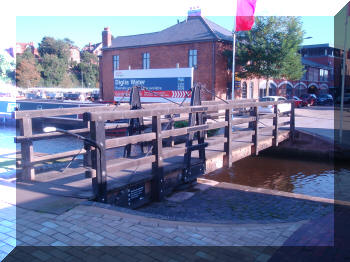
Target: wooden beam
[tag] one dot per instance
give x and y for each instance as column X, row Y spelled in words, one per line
column 275, row 123
column 123, row 141
column 228, row 136
column 256, row 133
column 99, row 160
column 157, row 166
column 26, row 129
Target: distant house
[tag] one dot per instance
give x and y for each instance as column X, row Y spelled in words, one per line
column 93, row 48
column 331, row 57
column 74, row 54
column 21, row 48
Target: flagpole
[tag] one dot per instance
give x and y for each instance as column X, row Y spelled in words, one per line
column 233, row 64
column 343, row 81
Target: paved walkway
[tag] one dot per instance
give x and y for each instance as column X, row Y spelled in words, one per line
column 95, row 225
column 323, row 121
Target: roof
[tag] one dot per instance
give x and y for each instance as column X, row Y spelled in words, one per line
column 307, row 62
column 194, row 29
column 317, row 46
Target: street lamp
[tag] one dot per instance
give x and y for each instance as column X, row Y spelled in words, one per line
column 101, row 194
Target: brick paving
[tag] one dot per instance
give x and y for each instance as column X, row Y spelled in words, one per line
column 92, row 227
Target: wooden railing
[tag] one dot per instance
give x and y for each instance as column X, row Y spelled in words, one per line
column 219, row 114
column 157, row 134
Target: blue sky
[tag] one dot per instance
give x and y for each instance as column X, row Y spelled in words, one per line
column 85, row 29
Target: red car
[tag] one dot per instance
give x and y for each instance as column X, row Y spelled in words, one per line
column 297, row 101
column 308, row 99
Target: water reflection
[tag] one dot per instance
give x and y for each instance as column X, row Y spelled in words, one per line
column 289, row 175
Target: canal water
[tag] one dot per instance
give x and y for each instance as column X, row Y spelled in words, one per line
column 271, row 172
column 288, row 175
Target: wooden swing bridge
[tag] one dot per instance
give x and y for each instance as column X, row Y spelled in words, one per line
column 165, row 146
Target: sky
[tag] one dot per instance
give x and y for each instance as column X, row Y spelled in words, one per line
column 82, row 30
column 83, row 23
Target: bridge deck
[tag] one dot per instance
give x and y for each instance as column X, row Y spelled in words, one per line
column 73, row 183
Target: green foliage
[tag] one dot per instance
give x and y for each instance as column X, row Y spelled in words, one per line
column 7, row 68
column 180, row 124
column 270, row 49
column 54, row 66
column 87, row 70
column 53, row 69
column 51, row 46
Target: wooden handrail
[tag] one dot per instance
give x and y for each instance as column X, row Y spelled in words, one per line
column 126, row 114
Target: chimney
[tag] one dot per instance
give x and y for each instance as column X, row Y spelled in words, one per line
column 106, row 37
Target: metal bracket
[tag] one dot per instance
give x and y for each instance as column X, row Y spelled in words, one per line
column 136, row 125
column 193, row 170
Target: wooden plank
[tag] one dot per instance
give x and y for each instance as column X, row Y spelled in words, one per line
column 239, row 121
column 59, row 111
column 284, row 124
column 126, row 114
column 267, row 116
column 60, row 155
column 186, row 130
column 53, row 135
column 128, row 163
column 123, row 141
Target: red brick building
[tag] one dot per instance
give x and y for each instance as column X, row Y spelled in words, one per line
column 195, row 42
column 21, row 48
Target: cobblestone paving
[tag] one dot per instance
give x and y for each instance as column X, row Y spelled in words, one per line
column 221, row 204
column 95, row 226
column 7, row 220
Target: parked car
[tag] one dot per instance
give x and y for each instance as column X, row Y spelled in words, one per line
column 282, row 108
column 71, row 96
column 297, row 101
column 325, row 99
column 50, row 95
column 346, row 98
column 308, row 99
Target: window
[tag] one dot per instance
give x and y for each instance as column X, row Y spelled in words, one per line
column 115, row 62
column 145, row 60
column 323, row 75
column 192, row 58
column 244, row 90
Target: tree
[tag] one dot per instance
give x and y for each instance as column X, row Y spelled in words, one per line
column 87, row 70
column 51, row 46
column 270, row 49
column 54, row 69
column 27, row 74
column 7, row 68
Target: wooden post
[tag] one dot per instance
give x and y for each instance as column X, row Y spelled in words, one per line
column 28, row 172
column 228, row 136
column 256, row 129
column 99, row 183
column 157, row 166
column 292, row 121
column 87, row 156
column 275, row 123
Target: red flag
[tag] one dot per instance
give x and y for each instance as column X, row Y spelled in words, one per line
column 245, row 15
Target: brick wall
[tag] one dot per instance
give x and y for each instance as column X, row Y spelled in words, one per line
column 168, row 56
